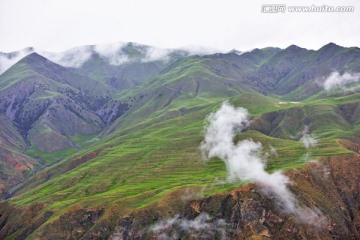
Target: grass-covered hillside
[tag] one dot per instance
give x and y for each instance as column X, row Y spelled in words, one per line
column 138, row 166
column 95, row 153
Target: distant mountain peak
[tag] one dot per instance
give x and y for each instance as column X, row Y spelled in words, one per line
column 9, row 59
column 330, row 45
column 237, row 52
column 35, row 60
column 33, row 56
column 294, row 47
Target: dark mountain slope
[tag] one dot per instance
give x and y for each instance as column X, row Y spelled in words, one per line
column 14, row 164
column 32, row 88
column 50, row 70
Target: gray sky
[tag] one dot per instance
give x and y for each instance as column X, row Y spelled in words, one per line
column 56, row 25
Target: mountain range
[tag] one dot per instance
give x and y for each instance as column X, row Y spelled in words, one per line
column 102, row 141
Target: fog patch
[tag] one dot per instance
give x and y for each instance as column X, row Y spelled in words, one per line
column 73, row 58
column 271, row 152
column 335, row 80
column 308, row 139
column 9, row 59
column 201, row 51
column 244, row 161
column 112, row 53
column 202, row 227
column 156, row 54
column 193, row 193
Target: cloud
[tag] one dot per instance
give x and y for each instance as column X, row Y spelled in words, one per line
column 335, row 80
column 192, row 193
column 201, row 51
column 9, row 59
column 156, row 54
column 243, row 159
column 161, row 54
column 73, row 58
column 307, row 139
column 116, row 56
column 113, row 53
column 202, row 227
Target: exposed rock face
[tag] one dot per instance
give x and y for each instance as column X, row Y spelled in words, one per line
column 330, row 187
column 13, row 169
column 32, row 217
column 112, row 110
column 49, row 103
column 13, row 164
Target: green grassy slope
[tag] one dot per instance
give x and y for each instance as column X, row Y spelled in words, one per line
column 185, row 85
column 136, row 166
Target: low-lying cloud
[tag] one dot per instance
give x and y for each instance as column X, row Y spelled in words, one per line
column 244, row 161
column 73, row 58
column 335, row 80
column 201, row 51
column 202, row 227
column 9, row 59
column 113, row 53
column 308, row 139
column 156, row 54
column 76, row 57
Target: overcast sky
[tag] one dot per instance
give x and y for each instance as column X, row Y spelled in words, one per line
column 56, row 25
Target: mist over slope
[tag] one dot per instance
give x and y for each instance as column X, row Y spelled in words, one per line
column 112, row 132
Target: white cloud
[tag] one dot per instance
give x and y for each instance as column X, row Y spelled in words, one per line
column 113, row 53
column 335, row 80
column 77, row 56
column 203, row 226
column 243, row 160
column 157, row 54
column 6, row 60
column 74, row 57
column 199, row 50
column 308, row 139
